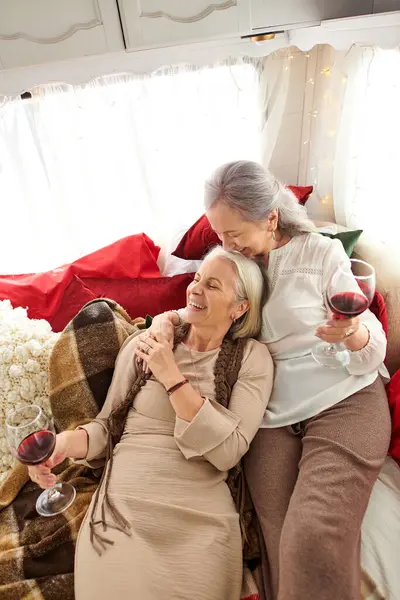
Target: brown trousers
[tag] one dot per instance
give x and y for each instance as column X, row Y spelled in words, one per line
column 311, row 491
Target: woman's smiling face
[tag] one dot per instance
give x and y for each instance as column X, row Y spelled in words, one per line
column 211, row 297
column 237, row 234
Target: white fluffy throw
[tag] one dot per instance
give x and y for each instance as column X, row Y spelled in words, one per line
column 25, row 346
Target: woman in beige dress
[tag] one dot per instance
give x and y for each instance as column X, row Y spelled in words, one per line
column 176, row 532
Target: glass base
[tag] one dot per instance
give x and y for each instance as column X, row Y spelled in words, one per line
column 333, row 356
column 55, row 500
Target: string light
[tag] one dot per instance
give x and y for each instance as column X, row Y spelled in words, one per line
column 307, row 55
column 313, row 114
column 326, row 199
column 332, row 133
column 311, row 81
column 327, row 72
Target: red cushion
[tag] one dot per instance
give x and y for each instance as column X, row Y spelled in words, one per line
column 301, row 192
column 201, row 237
column 41, row 293
column 378, row 307
column 393, row 391
column 129, row 257
column 141, row 297
column 197, row 240
column 74, row 298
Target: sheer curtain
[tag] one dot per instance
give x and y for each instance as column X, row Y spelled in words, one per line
column 81, row 167
column 367, row 158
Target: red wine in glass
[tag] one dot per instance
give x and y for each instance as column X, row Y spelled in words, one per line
column 36, row 448
column 349, row 293
column 32, row 438
column 347, row 305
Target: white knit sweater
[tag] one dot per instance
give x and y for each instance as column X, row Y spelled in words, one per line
column 299, row 274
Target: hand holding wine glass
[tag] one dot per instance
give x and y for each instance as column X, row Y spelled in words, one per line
column 32, row 439
column 349, row 294
column 41, row 474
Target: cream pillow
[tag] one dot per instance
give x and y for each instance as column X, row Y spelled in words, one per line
column 25, row 347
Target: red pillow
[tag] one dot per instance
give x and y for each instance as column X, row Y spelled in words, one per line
column 41, row 293
column 393, row 392
column 301, row 192
column 378, row 307
column 197, row 240
column 141, row 297
column 201, row 237
column 129, row 257
column 74, row 298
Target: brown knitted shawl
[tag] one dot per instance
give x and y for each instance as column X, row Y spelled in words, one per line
column 226, row 372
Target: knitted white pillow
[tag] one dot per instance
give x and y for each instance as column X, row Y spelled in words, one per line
column 25, row 346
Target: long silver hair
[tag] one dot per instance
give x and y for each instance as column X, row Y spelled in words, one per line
column 252, row 190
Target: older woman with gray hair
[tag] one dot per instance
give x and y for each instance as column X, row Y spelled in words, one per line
column 163, row 523
column 325, row 432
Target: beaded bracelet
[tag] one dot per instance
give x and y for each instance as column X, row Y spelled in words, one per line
column 175, row 387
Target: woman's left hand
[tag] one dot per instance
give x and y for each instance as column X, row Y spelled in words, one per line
column 338, row 330
column 159, row 358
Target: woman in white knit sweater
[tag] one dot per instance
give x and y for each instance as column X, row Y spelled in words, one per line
column 326, row 432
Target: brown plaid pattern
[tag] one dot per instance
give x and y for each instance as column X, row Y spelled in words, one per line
column 36, row 553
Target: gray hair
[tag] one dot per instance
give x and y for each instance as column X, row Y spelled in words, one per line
column 252, row 190
column 251, row 284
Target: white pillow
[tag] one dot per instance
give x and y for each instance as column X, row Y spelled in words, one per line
column 25, row 347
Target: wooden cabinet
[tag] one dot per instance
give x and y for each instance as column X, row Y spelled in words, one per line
column 41, row 31
column 276, row 14
column 157, row 23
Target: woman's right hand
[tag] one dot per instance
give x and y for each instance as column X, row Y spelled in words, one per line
column 162, row 327
column 41, row 474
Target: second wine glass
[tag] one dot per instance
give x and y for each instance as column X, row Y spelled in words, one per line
column 350, row 292
column 32, row 439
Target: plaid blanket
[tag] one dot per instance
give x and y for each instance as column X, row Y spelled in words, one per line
column 36, row 553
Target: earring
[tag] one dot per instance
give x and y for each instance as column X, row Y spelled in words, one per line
column 273, row 235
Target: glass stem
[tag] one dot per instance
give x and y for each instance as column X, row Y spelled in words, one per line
column 53, row 493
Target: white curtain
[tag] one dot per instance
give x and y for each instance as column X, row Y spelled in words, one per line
column 81, row 167
column 367, row 160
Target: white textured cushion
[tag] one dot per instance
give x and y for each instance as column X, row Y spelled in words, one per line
column 25, row 346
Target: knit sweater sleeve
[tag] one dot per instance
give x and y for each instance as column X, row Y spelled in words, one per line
column 369, row 358
column 221, row 435
column 125, row 373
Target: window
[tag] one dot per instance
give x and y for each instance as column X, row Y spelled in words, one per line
column 82, row 167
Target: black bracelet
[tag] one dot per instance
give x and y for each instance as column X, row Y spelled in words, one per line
column 175, row 387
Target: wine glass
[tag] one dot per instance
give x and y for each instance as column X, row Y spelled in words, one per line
column 32, row 439
column 350, row 293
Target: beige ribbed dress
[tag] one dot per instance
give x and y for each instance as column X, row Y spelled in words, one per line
column 168, row 480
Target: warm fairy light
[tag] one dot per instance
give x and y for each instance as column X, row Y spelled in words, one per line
column 306, row 142
column 313, row 113
column 307, row 55
column 327, row 72
column 326, row 199
column 332, row 133
column 311, row 81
